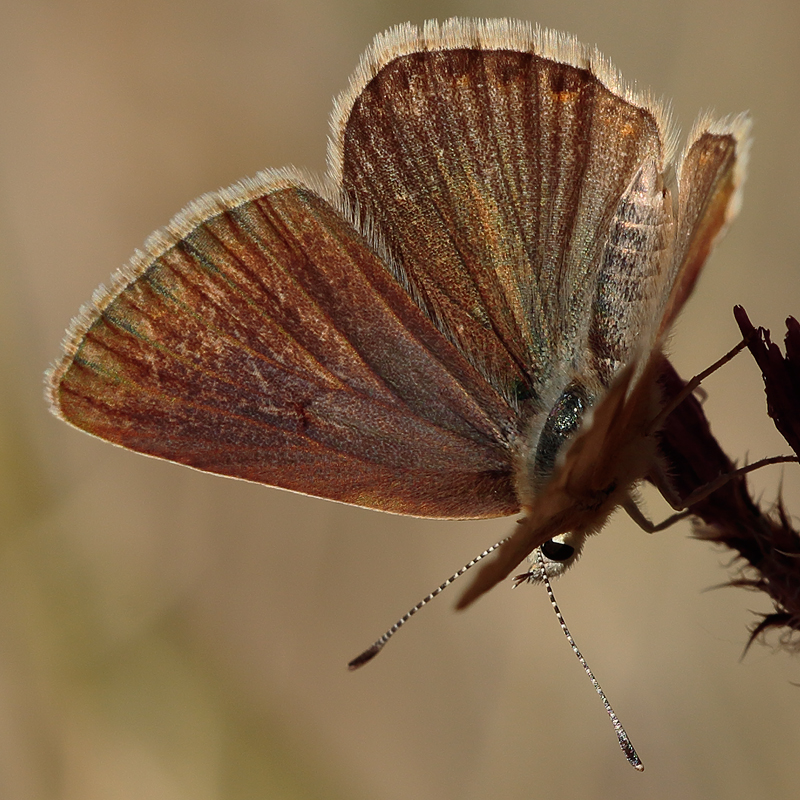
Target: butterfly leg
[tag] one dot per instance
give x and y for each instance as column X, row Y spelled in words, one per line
column 684, row 506
column 693, row 384
column 636, row 514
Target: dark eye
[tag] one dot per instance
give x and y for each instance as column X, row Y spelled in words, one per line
column 557, row 551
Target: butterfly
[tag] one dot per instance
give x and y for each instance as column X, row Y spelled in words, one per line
column 464, row 318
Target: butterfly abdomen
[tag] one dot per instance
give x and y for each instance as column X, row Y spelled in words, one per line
column 634, row 268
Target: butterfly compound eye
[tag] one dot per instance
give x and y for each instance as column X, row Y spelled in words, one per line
column 557, row 551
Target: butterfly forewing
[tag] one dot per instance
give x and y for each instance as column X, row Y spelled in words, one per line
column 271, row 344
column 494, row 175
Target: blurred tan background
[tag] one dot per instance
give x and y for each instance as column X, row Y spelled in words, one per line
column 166, row 634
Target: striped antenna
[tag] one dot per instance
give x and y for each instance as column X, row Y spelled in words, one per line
column 374, row 649
column 622, row 736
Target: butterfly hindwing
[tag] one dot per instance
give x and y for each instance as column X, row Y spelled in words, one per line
column 617, row 448
column 710, row 178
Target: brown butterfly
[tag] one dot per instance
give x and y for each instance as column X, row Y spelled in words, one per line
column 463, row 319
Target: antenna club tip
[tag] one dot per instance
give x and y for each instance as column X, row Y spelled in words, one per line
column 366, row 656
column 631, row 754
column 628, row 749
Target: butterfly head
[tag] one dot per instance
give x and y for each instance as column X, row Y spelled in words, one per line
column 557, row 555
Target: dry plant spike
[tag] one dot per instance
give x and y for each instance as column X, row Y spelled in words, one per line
column 765, row 541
